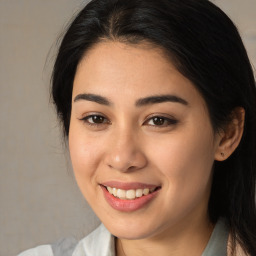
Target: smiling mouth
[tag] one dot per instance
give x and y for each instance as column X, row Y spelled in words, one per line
column 130, row 194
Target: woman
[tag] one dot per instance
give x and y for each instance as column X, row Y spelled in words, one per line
column 158, row 102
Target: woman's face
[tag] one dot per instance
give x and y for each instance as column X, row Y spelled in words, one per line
column 141, row 130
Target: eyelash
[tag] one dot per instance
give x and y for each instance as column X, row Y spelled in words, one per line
column 86, row 118
column 169, row 121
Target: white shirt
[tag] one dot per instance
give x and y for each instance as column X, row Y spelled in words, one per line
column 101, row 243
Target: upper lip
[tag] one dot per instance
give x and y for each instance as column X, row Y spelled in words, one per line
column 127, row 185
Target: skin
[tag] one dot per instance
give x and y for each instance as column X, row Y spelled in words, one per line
column 128, row 146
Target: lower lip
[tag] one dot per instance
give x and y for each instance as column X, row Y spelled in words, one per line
column 128, row 205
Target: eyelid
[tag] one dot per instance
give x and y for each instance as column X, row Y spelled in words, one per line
column 92, row 114
column 172, row 120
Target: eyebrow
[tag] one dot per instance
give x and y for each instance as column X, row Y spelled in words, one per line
column 93, row 97
column 160, row 99
column 139, row 103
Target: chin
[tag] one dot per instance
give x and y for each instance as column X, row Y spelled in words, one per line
column 131, row 231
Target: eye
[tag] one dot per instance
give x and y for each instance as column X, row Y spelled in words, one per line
column 95, row 120
column 160, row 121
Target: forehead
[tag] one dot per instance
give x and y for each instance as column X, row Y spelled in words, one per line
column 116, row 59
column 114, row 68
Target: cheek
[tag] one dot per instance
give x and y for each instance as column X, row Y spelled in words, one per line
column 184, row 155
column 84, row 153
column 185, row 161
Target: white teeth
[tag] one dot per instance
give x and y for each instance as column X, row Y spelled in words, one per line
column 121, row 194
column 139, row 192
column 114, row 191
column 110, row 190
column 145, row 191
column 129, row 194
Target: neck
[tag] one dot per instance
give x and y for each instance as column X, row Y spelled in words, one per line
column 190, row 239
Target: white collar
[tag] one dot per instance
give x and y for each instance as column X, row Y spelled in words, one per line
column 101, row 243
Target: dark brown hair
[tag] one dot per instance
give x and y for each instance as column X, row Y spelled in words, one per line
column 205, row 47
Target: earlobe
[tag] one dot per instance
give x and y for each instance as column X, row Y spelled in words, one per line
column 231, row 135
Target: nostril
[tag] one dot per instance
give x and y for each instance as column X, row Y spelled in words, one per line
column 131, row 168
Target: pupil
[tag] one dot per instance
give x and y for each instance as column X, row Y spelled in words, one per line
column 98, row 119
column 158, row 121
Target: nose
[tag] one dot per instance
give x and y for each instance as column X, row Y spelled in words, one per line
column 125, row 154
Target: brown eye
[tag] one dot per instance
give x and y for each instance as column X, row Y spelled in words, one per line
column 160, row 121
column 95, row 120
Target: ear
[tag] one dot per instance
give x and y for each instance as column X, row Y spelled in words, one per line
column 230, row 136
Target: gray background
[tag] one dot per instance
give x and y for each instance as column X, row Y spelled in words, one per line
column 39, row 200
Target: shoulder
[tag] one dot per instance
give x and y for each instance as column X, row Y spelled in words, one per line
column 43, row 250
column 63, row 247
column 98, row 243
